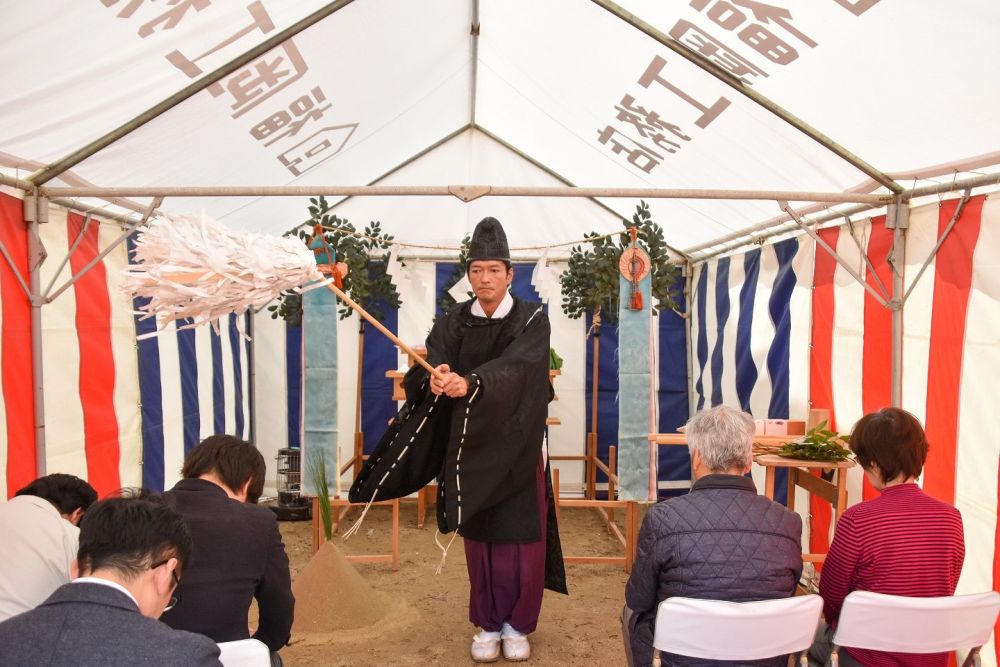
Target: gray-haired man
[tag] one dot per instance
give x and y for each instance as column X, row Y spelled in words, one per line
column 722, row 541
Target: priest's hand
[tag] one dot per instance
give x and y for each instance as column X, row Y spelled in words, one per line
column 437, row 386
column 455, row 385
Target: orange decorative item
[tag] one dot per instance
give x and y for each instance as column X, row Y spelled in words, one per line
column 634, row 266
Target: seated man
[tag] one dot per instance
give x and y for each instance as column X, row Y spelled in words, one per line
column 721, row 541
column 238, row 553
column 39, row 528
column 132, row 553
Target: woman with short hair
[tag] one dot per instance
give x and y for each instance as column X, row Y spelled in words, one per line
column 902, row 542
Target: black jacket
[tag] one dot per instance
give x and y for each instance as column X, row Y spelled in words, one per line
column 238, row 556
column 722, row 541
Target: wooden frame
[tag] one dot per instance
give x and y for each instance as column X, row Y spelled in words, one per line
column 605, row 508
column 799, row 475
column 338, row 514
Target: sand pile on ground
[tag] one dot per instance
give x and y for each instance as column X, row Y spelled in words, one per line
column 330, row 595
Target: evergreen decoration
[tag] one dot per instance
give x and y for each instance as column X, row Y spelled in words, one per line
column 367, row 259
column 591, row 281
column 446, row 301
column 819, row 444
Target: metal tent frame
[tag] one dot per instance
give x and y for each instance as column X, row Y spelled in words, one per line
column 38, row 195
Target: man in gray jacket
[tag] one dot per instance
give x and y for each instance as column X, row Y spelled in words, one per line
column 132, row 554
column 721, row 541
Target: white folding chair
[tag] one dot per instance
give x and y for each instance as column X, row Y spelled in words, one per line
column 916, row 625
column 718, row 630
column 245, row 653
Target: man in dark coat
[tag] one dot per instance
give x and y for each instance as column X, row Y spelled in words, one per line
column 721, row 541
column 132, row 553
column 238, row 553
column 493, row 352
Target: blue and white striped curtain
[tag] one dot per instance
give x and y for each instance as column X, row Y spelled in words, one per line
column 750, row 332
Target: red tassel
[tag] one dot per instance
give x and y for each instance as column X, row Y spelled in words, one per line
column 636, row 300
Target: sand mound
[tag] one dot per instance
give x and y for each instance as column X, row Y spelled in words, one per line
column 330, row 595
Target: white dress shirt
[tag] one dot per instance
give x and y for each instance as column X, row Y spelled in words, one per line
column 106, row 582
column 502, row 310
column 36, row 550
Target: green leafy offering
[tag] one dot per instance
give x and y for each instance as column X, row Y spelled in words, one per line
column 555, row 361
column 819, row 444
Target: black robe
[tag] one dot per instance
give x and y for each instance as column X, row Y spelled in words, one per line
column 487, row 490
column 483, row 447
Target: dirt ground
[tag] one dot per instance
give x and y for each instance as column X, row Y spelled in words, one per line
column 428, row 620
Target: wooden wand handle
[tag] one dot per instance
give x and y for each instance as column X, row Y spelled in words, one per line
column 391, row 336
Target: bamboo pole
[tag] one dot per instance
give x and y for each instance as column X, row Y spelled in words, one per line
column 388, row 334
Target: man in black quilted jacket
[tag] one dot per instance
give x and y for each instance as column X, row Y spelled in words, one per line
column 721, row 541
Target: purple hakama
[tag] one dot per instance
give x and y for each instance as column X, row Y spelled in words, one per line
column 506, row 581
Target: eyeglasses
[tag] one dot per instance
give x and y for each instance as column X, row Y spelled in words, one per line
column 176, row 597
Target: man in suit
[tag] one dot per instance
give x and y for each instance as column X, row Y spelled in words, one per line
column 40, row 540
column 132, row 554
column 238, row 553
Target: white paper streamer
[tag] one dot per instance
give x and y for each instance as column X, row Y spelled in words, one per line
column 397, row 271
column 460, row 290
column 195, row 268
column 544, row 279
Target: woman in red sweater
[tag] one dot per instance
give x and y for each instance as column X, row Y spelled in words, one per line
column 901, row 543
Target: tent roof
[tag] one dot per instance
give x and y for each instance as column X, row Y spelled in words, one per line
column 555, row 92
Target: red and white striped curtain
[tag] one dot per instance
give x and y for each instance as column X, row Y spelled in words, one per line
column 951, row 356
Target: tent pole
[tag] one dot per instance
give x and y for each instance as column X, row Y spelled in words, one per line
column 898, row 219
column 775, row 227
column 460, row 190
column 833, row 253
column 748, row 91
column 410, row 160
column 18, row 183
column 130, row 229
column 474, row 62
column 35, row 212
column 69, row 253
column 937, row 246
column 517, row 151
column 689, row 306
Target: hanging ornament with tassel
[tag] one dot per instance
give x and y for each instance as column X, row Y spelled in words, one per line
column 634, row 266
column 326, row 257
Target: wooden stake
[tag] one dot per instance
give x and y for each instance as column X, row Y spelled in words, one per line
column 359, row 438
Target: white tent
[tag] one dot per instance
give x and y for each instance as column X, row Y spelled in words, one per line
column 872, row 118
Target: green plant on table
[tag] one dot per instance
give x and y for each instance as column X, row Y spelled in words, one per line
column 819, row 444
